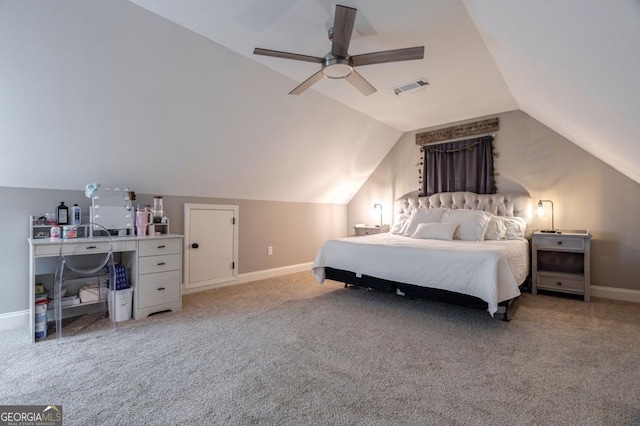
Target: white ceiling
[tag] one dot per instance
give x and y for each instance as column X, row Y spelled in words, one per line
column 464, row 80
column 571, row 65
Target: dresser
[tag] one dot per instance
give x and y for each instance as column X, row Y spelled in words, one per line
column 560, row 262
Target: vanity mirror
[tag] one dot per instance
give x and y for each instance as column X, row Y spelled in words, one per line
column 111, row 208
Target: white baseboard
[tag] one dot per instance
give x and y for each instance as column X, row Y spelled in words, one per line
column 622, row 294
column 255, row 276
column 14, row 320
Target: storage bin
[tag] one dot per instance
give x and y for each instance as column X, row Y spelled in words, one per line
column 120, row 304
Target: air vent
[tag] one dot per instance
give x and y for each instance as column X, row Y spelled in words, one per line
column 411, row 87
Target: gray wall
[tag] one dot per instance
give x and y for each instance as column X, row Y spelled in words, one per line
column 295, row 230
column 587, row 193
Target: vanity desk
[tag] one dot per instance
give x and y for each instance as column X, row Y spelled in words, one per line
column 153, row 267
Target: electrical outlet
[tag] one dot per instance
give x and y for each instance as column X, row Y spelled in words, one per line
column 270, row 251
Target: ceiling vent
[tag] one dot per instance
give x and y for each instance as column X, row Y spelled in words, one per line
column 411, row 87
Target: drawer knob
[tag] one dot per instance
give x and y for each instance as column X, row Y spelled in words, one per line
column 559, row 283
column 559, row 243
column 160, row 247
column 160, row 288
column 161, row 263
column 194, row 245
column 91, row 247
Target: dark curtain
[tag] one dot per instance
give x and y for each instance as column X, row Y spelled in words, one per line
column 459, row 166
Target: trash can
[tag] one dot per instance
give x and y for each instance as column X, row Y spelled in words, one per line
column 120, row 304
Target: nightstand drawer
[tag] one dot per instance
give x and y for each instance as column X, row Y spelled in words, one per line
column 367, row 231
column 559, row 242
column 361, row 230
column 559, row 282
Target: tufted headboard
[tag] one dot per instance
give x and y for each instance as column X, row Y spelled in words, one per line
column 506, row 204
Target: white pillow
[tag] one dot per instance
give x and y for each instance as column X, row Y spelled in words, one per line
column 515, row 226
column 399, row 225
column 422, row 215
column 496, row 230
column 472, row 224
column 435, row 231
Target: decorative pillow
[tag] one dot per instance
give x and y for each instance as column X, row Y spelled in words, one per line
column 472, row 224
column 435, row 231
column 515, row 227
column 496, row 230
column 422, row 215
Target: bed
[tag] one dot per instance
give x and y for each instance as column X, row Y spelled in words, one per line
column 437, row 249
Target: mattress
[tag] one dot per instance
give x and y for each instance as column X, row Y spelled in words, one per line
column 489, row 270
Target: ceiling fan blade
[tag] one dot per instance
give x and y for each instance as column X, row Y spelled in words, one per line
column 360, row 83
column 396, row 55
column 342, row 30
column 286, row 55
column 307, row 83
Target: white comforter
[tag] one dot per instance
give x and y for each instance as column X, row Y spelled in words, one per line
column 489, row 270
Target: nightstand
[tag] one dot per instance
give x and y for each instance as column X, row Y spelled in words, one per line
column 370, row 229
column 560, row 262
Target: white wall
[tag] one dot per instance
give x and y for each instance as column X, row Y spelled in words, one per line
column 587, row 193
column 106, row 91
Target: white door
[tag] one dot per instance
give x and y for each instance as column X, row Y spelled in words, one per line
column 211, row 249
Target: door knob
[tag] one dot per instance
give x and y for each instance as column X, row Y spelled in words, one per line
column 194, row 245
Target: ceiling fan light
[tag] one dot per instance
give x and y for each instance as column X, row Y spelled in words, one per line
column 336, row 67
column 337, row 71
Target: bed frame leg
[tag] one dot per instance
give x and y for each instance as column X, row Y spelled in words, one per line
column 505, row 316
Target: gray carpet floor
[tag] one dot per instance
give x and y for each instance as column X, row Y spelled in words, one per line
column 288, row 351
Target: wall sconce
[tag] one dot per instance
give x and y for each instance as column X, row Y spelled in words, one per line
column 541, row 212
column 375, row 206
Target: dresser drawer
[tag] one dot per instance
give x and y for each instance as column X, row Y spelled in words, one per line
column 157, row 246
column 158, row 289
column 559, row 242
column 83, row 246
column 559, row 282
column 154, row 264
column 72, row 247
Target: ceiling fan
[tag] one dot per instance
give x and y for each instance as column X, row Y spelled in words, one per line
column 338, row 64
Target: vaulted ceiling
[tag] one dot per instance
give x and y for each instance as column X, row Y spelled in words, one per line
column 572, row 65
column 167, row 97
column 464, row 79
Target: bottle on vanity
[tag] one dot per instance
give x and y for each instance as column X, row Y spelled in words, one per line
column 76, row 214
column 62, row 214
